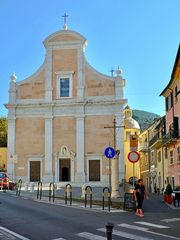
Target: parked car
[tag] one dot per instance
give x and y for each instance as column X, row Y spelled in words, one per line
column 4, row 181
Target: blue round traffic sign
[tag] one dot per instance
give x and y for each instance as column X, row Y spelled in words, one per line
column 109, row 152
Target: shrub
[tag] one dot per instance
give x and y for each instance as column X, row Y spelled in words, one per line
column 168, row 190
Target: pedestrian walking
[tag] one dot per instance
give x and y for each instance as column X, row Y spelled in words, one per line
column 139, row 193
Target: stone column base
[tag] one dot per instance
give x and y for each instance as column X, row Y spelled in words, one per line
column 48, row 178
column 80, row 178
column 115, row 194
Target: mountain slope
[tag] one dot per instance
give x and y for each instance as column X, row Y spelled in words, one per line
column 144, row 118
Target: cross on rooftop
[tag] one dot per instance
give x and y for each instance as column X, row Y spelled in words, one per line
column 112, row 72
column 65, row 16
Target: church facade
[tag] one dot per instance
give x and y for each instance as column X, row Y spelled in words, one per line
column 57, row 117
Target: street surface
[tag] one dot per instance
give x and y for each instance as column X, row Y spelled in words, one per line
column 30, row 219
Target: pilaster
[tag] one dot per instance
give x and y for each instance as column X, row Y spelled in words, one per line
column 80, row 174
column 48, row 149
column 119, row 84
column 80, row 86
column 11, row 148
column 12, row 92
column 120, row 144
column 48, row 78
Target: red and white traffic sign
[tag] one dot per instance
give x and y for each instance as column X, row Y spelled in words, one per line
column 133, row 156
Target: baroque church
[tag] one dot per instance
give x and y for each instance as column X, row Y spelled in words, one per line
column 58, row 117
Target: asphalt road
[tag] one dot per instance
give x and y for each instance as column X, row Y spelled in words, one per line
column 44, row 221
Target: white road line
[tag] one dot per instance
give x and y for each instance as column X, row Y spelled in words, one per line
column 90, row 236
column 163, row 235
column 151, row 224
column 59, row 239
column 125, row 225
column 13, row 233
column 126, row 235
column 170, row 220
column 146, row 230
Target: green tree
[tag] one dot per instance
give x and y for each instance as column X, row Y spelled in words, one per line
column 3, row 132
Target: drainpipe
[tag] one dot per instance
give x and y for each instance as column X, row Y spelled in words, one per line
column 162, row 168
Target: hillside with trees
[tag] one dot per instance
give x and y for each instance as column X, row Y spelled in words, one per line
column 3, row 132
column 144, row 118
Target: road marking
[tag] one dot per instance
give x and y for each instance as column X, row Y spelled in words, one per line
column 132, row 227
column 170, row 220
column 146, row 230
column 126, row 235
column 163, row 235
column 13, row 233
column 152, row 225
column 90, row 236
column 59, row 239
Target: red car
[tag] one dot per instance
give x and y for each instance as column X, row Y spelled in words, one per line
column 4, row 181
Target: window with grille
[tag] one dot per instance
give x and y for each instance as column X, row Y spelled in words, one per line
column 64, row 85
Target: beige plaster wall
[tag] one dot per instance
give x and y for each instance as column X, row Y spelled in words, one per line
column 64, row 132
column 96, row 136
column 64, row 60
column 29, row 140
column 32, row 89
column 97, row 84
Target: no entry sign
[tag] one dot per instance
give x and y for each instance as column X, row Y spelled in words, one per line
column 133, row 156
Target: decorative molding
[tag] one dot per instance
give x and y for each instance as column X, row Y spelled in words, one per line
column 65, row 152
column 81, row 39
column 65, row 45
column 69, row 109
column 64, row 72
column 59, row 77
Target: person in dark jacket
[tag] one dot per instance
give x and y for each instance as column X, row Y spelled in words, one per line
column 139, row 193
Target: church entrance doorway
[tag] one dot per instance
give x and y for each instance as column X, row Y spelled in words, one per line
column 64, row 170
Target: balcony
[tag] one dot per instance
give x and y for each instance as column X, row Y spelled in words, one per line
column 156, row 141
column 143, row 147
column 171, row 137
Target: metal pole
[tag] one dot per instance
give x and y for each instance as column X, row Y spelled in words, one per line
column 110, row 174
column 109, row 229
column 133, row 176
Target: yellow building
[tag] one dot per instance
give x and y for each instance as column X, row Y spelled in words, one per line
column 144, row 161
column 131, row 133
column 3, row 158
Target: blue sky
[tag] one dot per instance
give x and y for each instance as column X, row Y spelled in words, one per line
column 141, row 36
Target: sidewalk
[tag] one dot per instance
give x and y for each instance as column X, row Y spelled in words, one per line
column 154, row 204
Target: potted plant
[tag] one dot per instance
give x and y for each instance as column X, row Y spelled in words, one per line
column 167, row 194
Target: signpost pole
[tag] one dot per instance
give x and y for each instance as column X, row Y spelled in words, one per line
column 133, row 157
column 133, row 176
column 110, row 174
column 109, row 153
